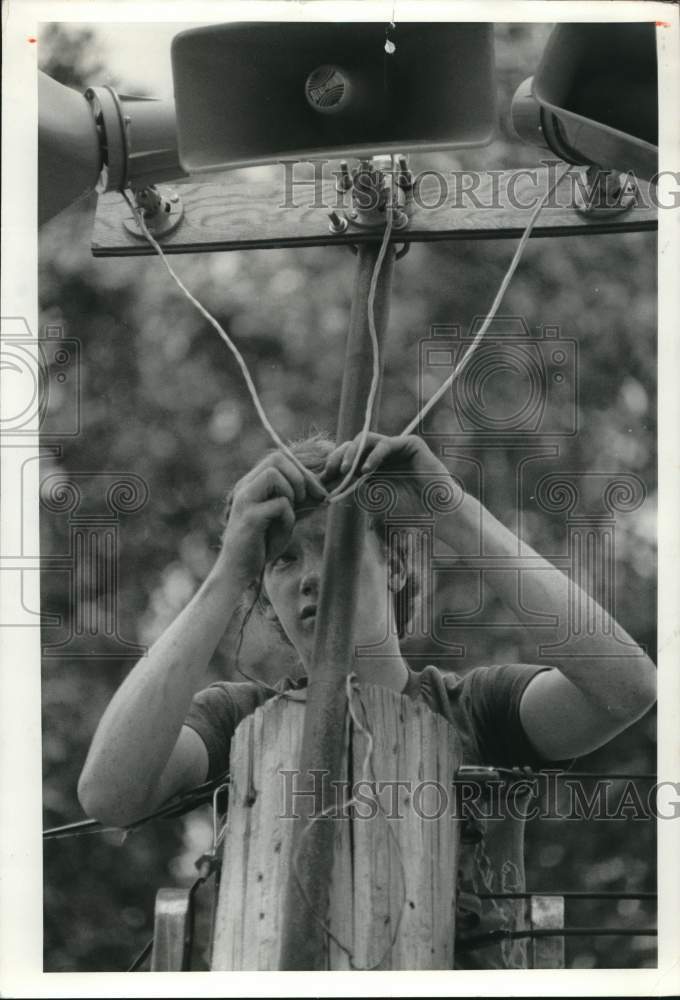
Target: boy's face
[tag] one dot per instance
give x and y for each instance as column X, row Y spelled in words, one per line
column 293, row 579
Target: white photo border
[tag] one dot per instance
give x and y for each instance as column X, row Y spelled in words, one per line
column 21, row 906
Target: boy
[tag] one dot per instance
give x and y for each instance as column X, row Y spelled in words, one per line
column 159, row 737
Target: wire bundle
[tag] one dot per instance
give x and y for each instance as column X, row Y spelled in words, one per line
column 349, row 483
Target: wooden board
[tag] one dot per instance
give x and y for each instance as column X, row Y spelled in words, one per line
column 241, row 213
column 393, row 883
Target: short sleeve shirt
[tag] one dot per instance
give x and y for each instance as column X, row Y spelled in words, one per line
column 483, row 707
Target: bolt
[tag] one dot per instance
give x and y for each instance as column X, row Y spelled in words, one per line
column 405, row 177
column 337, row 224
column 345, row 178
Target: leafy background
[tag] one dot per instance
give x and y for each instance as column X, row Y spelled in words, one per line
column 160, row 397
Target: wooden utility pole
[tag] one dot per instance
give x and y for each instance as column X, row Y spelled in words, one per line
column 303, row 943
column 393, row 875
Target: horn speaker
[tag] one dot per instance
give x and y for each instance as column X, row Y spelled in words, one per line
column 248, row 93
column 101, row 140
column 594, row 97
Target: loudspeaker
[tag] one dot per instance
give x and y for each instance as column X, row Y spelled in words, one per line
column 69, row 152
column 597, row 93
column 248, row 93
column 101, row 140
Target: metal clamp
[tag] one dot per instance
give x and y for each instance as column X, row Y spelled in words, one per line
column 605, row 193
column 373, row 189
column 161, row 208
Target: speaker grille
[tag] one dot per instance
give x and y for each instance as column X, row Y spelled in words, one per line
column 327, row 89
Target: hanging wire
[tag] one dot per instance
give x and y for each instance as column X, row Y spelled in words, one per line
column 507, row 278
column 177, row 806
column 375, row 380
column 498, row 935
column 201, row 794
column 573, row 895
column 254, row 395
column 347, row 487
column 344, row 489
column 337, row 494
column 138, row 962
column 462, row 364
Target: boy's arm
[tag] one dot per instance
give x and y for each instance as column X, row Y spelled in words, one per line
column 585, row 700
column 141, row 753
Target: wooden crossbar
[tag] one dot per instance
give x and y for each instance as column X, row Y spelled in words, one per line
column 240, row 212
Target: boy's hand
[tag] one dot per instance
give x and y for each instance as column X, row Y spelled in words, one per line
column 262, row 514
column 408, row 455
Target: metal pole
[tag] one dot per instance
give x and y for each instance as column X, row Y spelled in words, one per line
column 304, row 944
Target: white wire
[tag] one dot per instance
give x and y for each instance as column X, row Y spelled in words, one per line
column 337, row 494
column 232, row 347
column 434, row 399
column 347, row 487
column 351, row 685
column 375, row 379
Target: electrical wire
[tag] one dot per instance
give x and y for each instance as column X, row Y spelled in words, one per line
column 138, row 962
column 495, row 936
column 462, row 364
column 366, row 770
column 338, row 493
column 177, row 806
column 347, row 487
column 375, row 379
column 507, row 278
column 232, row 347
column 201, row 794
column 577, row 896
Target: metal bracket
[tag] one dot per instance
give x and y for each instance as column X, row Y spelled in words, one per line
column 369, row 186
column 162, row 210
column 605, row 194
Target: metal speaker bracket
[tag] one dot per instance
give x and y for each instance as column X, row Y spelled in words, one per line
column 606, row 193
column 373, row 186
column 162, row 210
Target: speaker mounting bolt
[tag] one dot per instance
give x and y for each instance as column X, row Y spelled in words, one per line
column 344, row 178
column 607, row 193
column 161, row 208
column 405, row 177
column 337, row 223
